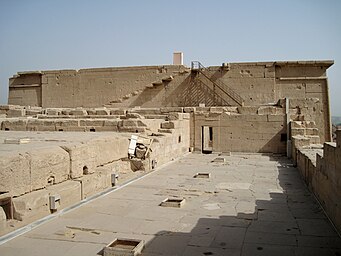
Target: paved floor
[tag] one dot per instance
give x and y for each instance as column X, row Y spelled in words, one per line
column 251, row 205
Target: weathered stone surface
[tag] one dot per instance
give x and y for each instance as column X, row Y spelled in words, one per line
column 15, row 175
column 78, row 112
column 91, row 122
column 87, row 156
column 131, row 123
column 16, row 112
column 171, row 109
column 167, row 125
column 117, row 111
column 53, row 111
column 137, row 165
column 81, row 159
column 33, row 112
column 134, row 115
column 102, row 111
column 48, row 166
column 14, row 125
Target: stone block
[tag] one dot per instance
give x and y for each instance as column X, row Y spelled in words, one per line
column 267, row 110
column 168, row 125
column 248, row 110
column 14, row 125
column 189, row 109
column 7, row 107
column 82, row 159
column 102, row 111
column 131, row 123
column 53, row 111
column 174, row 116
column 118, row 111
column 231, row 109
column 296, row 124
column 311, row 131
column 309, row 124
column 184, row 116
column 67, row 123
column 108, row 149
column 165, row 130
column 66, row 112
column 134, row 115
column 15, row 174
column 147, row 111
column 78, row 112
column 171, row 109
column 91, row 112
column 132, row 129
column 111, row 123
column 91, row 122
column 217, row 109
column 31, row 206
column 32, row 112
column 95, row 183
column 69, row 192
column 155, row 116
column 40, row 125
column 297, row 131
column 48, row 166
column 314, row 139
column 202, row 109
column 16, row 112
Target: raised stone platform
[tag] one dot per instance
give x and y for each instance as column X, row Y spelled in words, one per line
column 252, row 204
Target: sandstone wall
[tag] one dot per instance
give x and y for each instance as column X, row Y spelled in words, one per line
column 321, row 169
column 25, row 89
column 85, row 87
column 251, row 129
column 77, row 170
column 258, row 83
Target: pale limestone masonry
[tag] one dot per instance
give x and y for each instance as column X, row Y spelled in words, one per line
column 79, row 123
column 73, row 167
column 258, row 83
column 320, row 167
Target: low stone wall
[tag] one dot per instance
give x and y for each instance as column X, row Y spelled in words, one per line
column 77, row 170
column 321, row 170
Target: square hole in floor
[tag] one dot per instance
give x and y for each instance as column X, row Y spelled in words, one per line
column 123, row 246
column 173, row 202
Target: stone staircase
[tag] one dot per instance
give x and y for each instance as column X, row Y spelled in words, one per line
column 162, row 82
column 220, row 90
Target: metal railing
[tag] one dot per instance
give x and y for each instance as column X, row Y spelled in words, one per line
column 226, row 90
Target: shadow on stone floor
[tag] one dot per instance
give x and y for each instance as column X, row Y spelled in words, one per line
column 290, row 223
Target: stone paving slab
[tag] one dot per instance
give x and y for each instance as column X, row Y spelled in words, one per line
column 252, row 204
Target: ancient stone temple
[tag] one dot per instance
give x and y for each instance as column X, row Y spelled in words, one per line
column 74, row 137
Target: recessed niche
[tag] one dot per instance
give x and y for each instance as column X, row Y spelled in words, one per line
column 85, row 170
column 173, row 202
column 206, row 175
column 124, row 247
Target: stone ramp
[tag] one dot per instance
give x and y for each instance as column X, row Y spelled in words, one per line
column 251, row 204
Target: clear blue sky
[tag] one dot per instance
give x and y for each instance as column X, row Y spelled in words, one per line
column 74, row 34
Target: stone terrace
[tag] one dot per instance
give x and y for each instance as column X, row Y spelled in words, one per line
column 251, row 204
